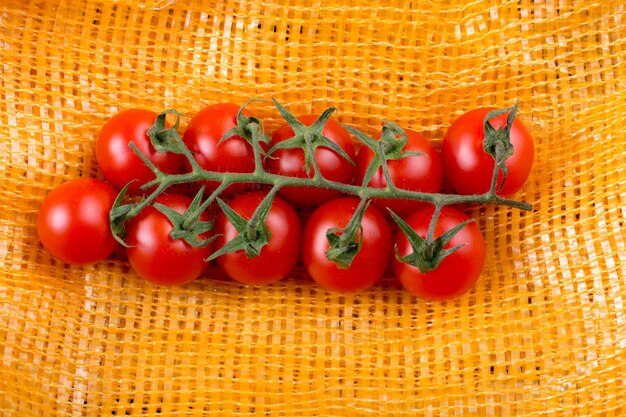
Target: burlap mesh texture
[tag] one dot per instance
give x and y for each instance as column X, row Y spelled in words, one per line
column 544, row 331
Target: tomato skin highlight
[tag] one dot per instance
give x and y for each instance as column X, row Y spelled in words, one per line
column 415, row 173
column 333, row 167
column 457, row 273
column 154, row 255
column 73, row 221
column 469, row 169
column 202, row 135
column 369, row 265
column 119, row 163
column 277, row 258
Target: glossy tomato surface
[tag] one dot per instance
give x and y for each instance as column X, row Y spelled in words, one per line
column 458, row 272
column 370, row 263
column 469, row 169
column 154, row 255
column 73, row 221
column 414, row 173
column 290, row 162
column 277, row 258
column 119, row 163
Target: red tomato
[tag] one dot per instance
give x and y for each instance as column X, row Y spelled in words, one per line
column 415, row 173
column 73, row 221
column 370, row 263
column 333, row 167
column 154, row 255
column 119, row 163
column 277, row 258
column 458, row 272
column 202, row 135
column 469, row 168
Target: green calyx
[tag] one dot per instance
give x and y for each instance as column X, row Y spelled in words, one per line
column 427, row 253
column 188, row 226
column 249, row 128
column 390, row 147
column 163, row 138
column 393, row 139
column 497, row 142
column 308, row 138
column 253, row 234
column 345, row 243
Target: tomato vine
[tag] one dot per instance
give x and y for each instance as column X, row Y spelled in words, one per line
column 344, row 243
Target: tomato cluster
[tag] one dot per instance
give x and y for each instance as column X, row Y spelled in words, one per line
column 436, row 253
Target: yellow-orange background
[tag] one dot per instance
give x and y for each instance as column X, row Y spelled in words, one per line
column 544, row 331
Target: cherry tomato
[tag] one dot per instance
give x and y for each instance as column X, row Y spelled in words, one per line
column 154, row 255
column 469, row 168
column 370, row 263
column 202, row 136
column 458, row 272
column 415, row 173
column 277, row 258
column 73, row 221
column 119, row 163
column 290, row 162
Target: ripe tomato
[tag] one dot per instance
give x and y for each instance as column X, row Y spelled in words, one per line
column 458, row 272
column 415, row 173
column 202, row 136
column 290, row 162
column 277, row 258
column 154, row 255
column 469, row 168
column 119, row 163
column 370, row 263
column 73, row 221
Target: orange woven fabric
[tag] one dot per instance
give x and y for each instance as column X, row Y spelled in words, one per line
column 543, row 332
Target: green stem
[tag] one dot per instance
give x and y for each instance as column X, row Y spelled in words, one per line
column 206, row 203
column 430, row 236
column 150, row 198
column 144, row 159
column 309, row 146
column 352, row 228
column 256, row 148
column 496, row 169
column 363, row 192
column 257, row 217
column 345, row 243
column 383, row 163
